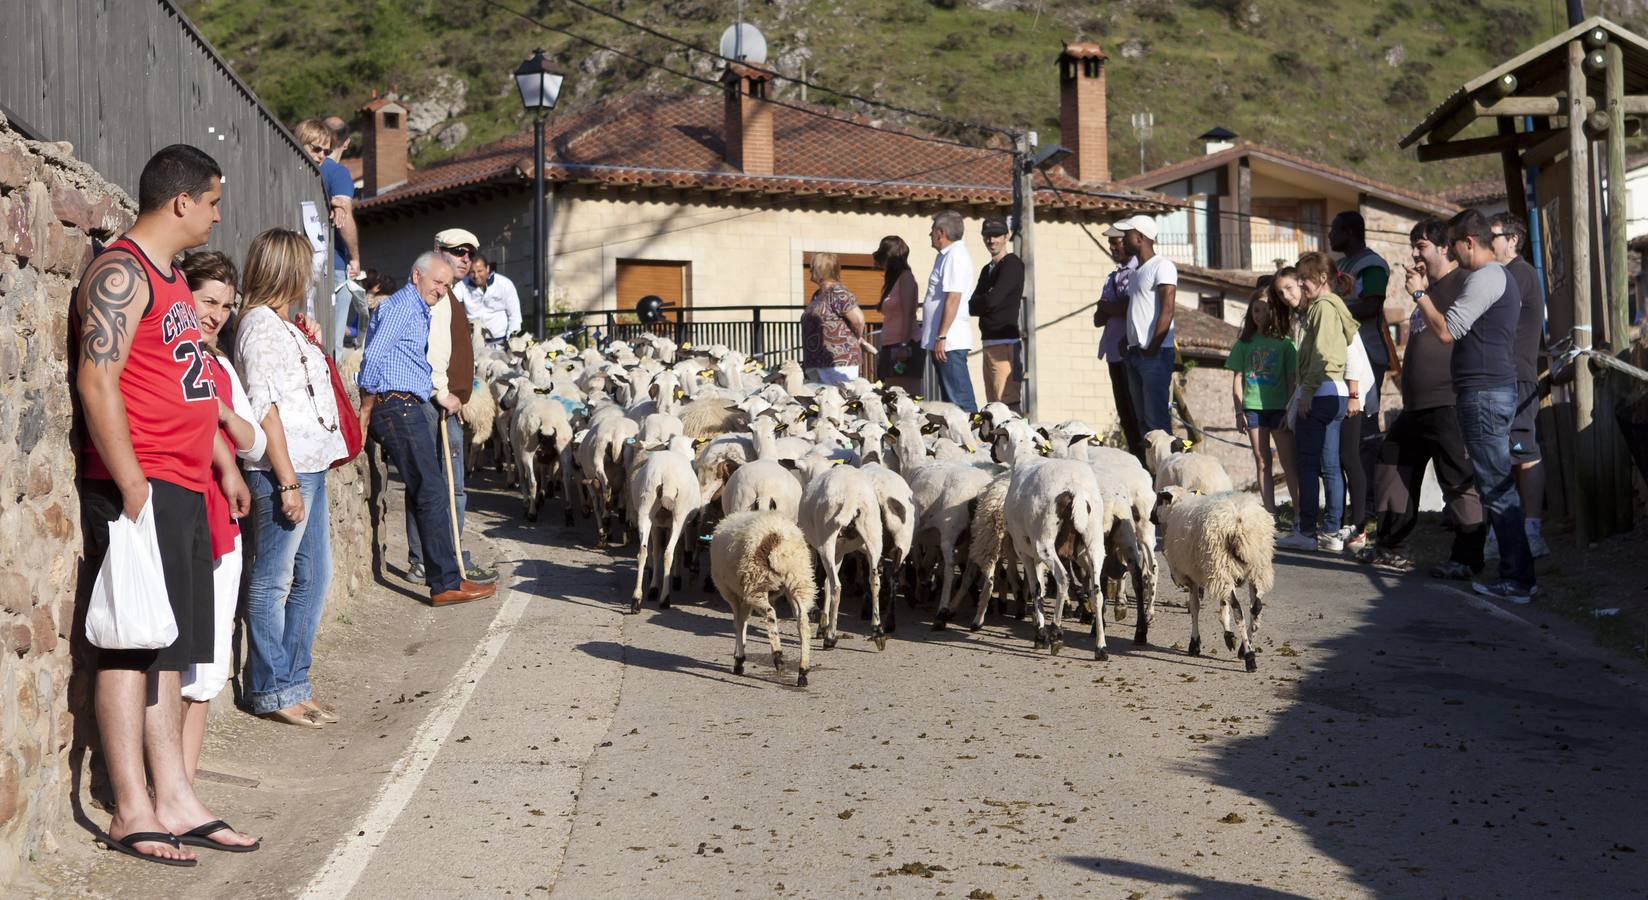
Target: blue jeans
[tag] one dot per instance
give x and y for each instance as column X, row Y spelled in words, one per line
column 1150, row 386
column 454, row 449
column 954, row 384
column 340, row 313
column 402, row 427
column 1485, row 422
column 1318, row 452
column 286, row 591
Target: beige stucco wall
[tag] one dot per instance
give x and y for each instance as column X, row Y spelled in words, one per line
column 748, row 253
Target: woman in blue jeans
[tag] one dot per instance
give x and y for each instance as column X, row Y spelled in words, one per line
column 1321, row 402
column 289, row 387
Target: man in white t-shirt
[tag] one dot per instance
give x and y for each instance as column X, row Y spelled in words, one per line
column 491, row 301
column 1150, row 297
column 946, row 332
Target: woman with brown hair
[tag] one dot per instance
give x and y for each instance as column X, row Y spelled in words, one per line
column 831, row 326
column 291, row 395
column 898, row 356
column 1320, row 404
column 212, row 281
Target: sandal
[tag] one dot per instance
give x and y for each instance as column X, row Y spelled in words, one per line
column 128, row 846
column 197, row 837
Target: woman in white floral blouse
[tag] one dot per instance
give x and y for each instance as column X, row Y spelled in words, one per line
column 290, row 389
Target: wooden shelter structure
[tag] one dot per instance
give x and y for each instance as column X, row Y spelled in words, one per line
column 1552, row 106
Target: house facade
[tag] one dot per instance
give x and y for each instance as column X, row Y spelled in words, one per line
column 1249, row 209
column 717, row 202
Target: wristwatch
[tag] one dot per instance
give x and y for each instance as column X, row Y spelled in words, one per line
column 1418, row 294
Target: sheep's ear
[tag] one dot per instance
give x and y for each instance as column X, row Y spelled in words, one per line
column 893, row 431
column 1164, row 497
column 788, row 464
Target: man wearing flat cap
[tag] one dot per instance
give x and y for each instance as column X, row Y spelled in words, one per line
column 995, row 301
column 452, row 361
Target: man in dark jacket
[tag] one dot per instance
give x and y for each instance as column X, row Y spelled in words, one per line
column 995, row 302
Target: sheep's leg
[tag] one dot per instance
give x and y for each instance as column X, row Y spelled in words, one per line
column 1195, row 621
column 1257, row 606
column 832, row 591
column 1144, row 581
column 1033, row 577
column 947, row 548
column 740, row 625
column 986, row 592
column 1015, row 583
column 598, row 492
column 772, row 637
column 667, row 563
column 873, row 573
column 890, row 571
column 529, row 483
column 1061, row 579
column 802, row 623
column 1225, row 608
column 1100, row 651
column 564, row 463
column 641, row 556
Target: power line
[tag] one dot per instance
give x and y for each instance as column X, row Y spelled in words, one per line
column 947, row 120
column 931, row 139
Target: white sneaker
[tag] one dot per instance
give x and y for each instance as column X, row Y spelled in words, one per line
column 1330, row 543
column 1537, row 545
column 1295, row 541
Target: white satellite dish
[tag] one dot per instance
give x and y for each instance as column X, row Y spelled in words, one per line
column 744, row 42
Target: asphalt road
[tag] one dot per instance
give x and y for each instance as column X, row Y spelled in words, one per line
column 1399, row 739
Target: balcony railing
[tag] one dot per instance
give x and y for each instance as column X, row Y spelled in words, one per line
column 1272, row 240
column 769, row 333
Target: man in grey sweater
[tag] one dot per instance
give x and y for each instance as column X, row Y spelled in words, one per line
column 1481, row 326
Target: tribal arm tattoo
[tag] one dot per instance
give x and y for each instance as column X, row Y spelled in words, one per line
column 109, row 294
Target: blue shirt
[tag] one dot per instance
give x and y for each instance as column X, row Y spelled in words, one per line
column 397, row 341
column 335, row 178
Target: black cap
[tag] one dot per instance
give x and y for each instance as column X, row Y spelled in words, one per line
column 993, row 226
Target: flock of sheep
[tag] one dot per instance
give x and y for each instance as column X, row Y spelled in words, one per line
column 785, row 484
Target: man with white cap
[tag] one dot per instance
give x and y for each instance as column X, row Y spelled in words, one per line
column 1150, row 298
column 452, row 361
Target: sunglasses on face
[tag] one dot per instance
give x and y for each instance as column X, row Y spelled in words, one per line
column 316, row 148
column 458, row 251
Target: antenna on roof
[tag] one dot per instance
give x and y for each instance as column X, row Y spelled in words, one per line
column 1143, row 124
column 744, row 42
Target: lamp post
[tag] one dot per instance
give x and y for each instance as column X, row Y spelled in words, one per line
column 540, row 87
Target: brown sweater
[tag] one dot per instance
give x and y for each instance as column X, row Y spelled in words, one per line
column 460, row 371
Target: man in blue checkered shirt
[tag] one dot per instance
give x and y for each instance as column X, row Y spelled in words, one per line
column 395, row 383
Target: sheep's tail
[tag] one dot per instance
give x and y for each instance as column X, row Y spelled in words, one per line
column 791, row 563
column 1251, row 543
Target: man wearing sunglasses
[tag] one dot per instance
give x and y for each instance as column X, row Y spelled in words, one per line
column 452, row 361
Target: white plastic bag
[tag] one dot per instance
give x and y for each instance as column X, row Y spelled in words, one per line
column 130, row 609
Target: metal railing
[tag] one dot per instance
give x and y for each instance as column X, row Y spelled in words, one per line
column 769, row 333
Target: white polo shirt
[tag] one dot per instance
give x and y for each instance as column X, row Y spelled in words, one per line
column 952, row 273
column 1141, row 299
column 495, row 306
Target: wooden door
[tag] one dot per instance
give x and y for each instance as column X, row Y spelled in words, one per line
column 639, row 277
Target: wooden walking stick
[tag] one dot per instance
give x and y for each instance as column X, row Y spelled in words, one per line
column 451, row 495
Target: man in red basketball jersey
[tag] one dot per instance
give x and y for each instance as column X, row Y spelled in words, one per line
column 151, row 422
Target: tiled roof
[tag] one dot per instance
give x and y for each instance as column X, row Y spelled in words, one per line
column 648, row 140
column 1198, row 334
column 1178, row 170
column 1482, row 192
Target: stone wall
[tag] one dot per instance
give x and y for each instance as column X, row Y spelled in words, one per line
column 50, row 207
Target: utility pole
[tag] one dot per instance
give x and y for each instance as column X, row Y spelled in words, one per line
column 1024, row 242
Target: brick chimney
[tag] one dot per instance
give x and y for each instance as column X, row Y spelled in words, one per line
column 1082, row 124
column 747, row 121
column 383, row 146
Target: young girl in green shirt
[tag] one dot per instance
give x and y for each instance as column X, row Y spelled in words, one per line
column 1265, row 365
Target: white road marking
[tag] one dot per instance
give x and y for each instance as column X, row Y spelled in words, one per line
column 346, row 864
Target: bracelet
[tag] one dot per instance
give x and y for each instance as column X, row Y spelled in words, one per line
column 283, row 488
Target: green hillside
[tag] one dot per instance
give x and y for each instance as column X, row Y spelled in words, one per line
column 1337, row 80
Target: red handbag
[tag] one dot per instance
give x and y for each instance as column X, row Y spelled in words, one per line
column 348, row 417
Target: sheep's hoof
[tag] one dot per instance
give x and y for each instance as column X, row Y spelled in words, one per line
column 664, row 603
column 880, row 638
column 1055, row 645
column 801, row 678
column 975, row 626
column 1230, row 640
column 738, row 665
column 1121, row 612
column 634, row 606
column 1196, row 647
column 1141, row 635
column 531, row 516
column 1252, row 662
column 652, row 595
column 778, row 660
column 1040, row 642
column 829, row 642
column 1086, row 616
column 1101, row 654
column 941, row 619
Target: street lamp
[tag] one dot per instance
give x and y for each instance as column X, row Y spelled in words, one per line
column 540, row 87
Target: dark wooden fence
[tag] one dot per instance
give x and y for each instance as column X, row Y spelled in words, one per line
column 120, row 79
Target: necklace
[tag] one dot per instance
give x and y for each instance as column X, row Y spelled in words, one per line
column 309, row 383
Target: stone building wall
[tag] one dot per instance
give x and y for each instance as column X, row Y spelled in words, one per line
column 51, row 206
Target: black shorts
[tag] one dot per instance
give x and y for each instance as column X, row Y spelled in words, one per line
column 185, row 558
column 1524, row 443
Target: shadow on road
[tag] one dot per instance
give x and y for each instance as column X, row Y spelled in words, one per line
column 1183, row 884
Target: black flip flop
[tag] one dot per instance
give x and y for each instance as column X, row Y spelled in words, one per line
column 127, row 846
column 197, row 837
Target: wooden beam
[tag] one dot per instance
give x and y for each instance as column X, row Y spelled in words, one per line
column 1579, row 268
column 1499, row 143
column 1546, row 150
column 1516, row 192
column 1619, row 326
column 1530, row 106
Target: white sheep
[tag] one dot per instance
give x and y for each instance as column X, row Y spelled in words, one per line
column 663, row 495
column 711, row 417
column 1196, row 472
column 765, row 484
column 599, row 455
column 840, row 515
column 988, row 548
column 944, row 494
column 1213, row 545
column 541, row 435
column 898, row 530
column 754, row 555
column 1052, row 503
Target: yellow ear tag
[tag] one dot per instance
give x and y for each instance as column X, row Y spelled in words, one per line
column 687, row 345
column 917, row 397
column 1189, row 444
column 878, row 384
column 839, row 462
